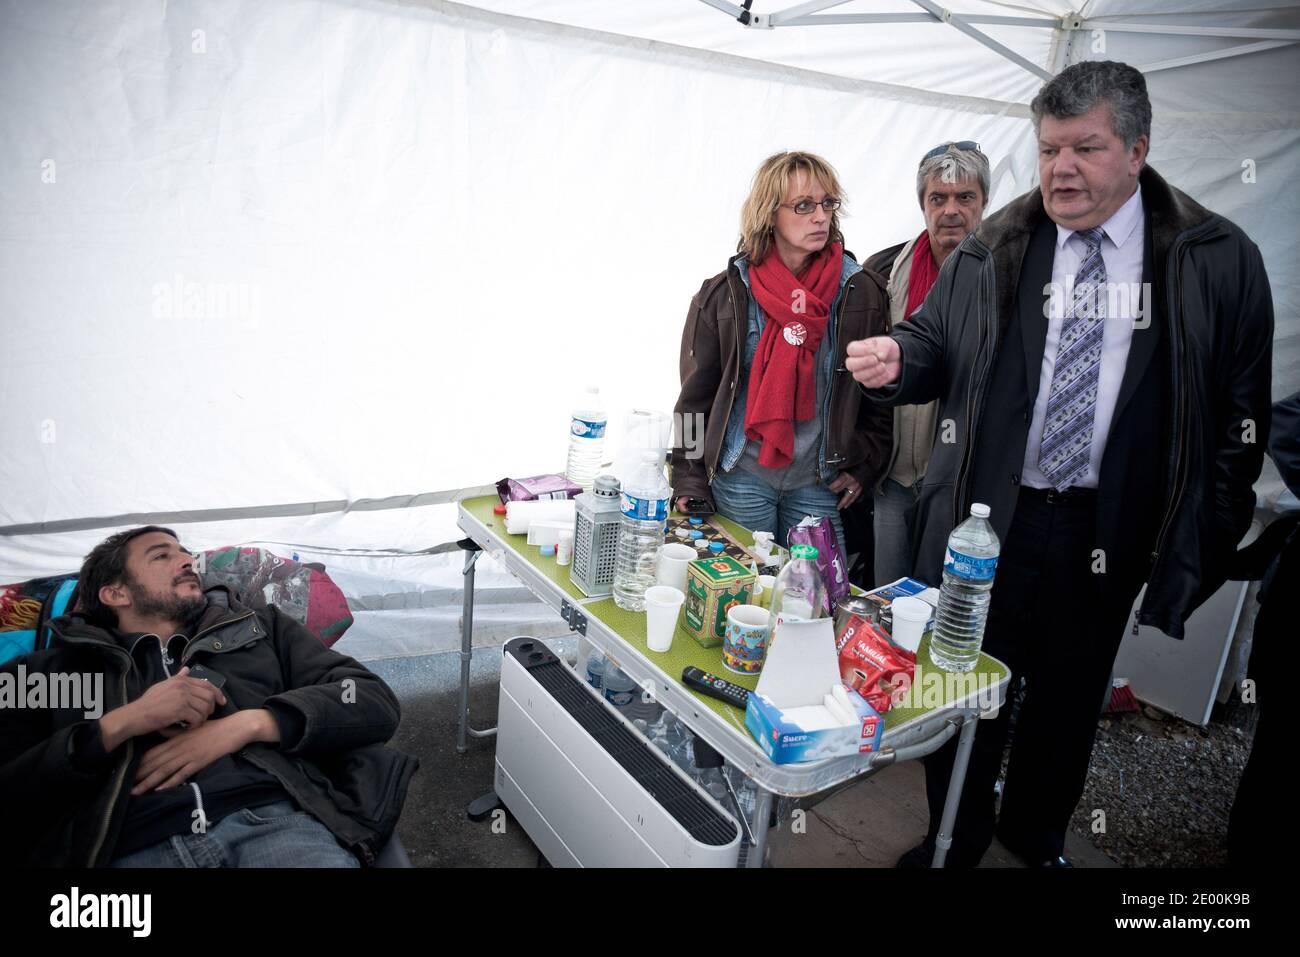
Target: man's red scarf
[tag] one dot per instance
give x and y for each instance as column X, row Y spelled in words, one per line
column 783, row 378
column 924, row 274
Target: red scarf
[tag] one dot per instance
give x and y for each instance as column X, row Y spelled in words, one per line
column 783, row 377
column 925, row 271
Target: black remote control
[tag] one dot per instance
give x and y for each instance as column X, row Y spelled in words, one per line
column 715, row 687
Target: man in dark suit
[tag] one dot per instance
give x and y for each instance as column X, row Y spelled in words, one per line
column 1101, row 351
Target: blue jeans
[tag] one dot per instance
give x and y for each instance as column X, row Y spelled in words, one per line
column 753, row 504
column 273, row 835
column 895, row 513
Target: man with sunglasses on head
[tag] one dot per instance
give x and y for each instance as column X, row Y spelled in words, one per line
column 952, row 187
column 1102, row 346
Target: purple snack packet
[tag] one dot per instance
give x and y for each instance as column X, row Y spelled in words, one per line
column 820, row 533
column 537, row 488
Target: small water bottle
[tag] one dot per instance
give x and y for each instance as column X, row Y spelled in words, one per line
column 968, row 569
column 586, row 438
column 596, row 670
column 644, row 506
column 799, row 591
column 619, row 688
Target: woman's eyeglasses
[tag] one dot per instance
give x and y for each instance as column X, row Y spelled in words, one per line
column 806, row 206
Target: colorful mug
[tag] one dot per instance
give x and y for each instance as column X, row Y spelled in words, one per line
column 745, row 644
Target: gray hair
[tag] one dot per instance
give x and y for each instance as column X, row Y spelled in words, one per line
column 1077, row 89
column 952, row 166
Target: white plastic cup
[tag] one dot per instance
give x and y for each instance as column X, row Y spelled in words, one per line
column 670, row 568
column 911, row 615
column 763, row 590
column 662, row 603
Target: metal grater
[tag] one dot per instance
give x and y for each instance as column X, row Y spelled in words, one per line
column 595, row 537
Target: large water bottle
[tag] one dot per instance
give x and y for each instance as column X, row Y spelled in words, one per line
column 799, row 590
column 968, row 570
column 644, row 505
column 586, row 438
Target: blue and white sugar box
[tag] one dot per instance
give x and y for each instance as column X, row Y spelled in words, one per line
column 801, row 710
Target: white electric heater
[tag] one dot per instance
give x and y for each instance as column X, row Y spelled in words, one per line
column 589, row 790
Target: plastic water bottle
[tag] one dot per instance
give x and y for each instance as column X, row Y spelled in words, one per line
column 644, row 504
column 799, row 590
column 619, row 688
column 968, row 569
column 586, row 438
column 596, row 670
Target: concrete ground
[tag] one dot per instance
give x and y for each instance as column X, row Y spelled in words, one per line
column 867, row 825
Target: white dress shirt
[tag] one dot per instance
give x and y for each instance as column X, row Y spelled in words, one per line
column 1121, row 251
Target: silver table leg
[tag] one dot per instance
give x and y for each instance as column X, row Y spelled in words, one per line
column 965, row 744
column 762, row 818
column 466, row 648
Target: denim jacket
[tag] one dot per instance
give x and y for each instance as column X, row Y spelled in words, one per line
column 719, row 340
column 733, row 445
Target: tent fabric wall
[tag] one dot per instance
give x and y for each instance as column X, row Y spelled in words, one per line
column 318, row 250
column 444, row 226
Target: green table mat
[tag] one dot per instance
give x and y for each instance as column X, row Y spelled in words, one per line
column 686, row 651
column 481, row 509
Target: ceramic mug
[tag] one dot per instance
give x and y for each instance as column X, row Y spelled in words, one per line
column 745, row 644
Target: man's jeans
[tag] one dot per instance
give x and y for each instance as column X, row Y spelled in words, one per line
column 273, row 835
column 753, row 504
column 895, row 515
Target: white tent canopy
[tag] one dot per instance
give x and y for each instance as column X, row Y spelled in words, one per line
column 262, row 262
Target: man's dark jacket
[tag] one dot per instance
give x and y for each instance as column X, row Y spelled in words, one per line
column 1187, row 439
column 334, row 717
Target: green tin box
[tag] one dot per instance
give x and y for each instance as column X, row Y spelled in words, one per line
column 713, row 586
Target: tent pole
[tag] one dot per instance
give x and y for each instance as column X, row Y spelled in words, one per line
column 1243, row 50
column 838, row 19
column 1164, row 29
column 802, row 10
column 959, row 23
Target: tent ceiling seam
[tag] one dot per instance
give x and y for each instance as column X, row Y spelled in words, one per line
column 467, row 16
column 288, row 510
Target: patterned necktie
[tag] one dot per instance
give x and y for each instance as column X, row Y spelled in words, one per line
column 1072, row 402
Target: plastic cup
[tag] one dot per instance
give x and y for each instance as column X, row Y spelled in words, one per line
column 670, row 569
column 763, row 590
column 662, row 603
column 911, row 615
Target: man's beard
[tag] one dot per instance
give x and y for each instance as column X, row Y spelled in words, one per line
column 170, row 607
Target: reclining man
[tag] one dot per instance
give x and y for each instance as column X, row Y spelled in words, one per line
column 274, row 757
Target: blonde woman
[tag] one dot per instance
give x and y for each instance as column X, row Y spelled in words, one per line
column 786, row 430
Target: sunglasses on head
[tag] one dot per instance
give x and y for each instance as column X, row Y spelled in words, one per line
column 944, row 147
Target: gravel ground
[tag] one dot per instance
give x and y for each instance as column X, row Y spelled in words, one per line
column 1165, row 787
